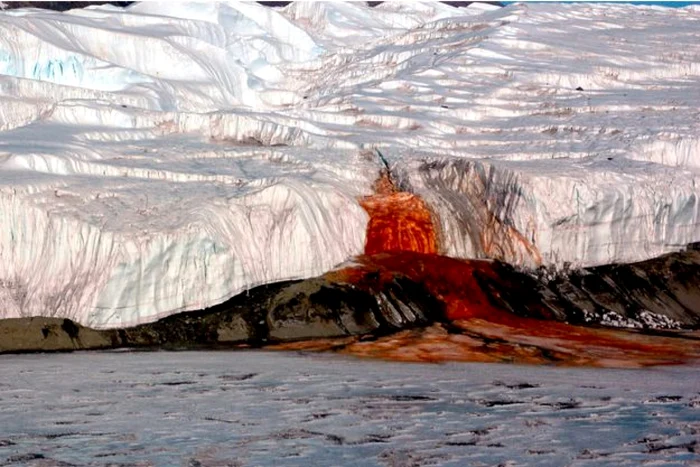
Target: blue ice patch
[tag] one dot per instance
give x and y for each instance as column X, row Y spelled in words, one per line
column 68, row 70
column 8, row 64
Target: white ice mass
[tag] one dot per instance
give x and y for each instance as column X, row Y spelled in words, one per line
column 167, row 156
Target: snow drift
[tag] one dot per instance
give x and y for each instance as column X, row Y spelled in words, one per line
column 165, row 157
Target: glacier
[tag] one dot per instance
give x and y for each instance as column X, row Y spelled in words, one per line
column 165, row 157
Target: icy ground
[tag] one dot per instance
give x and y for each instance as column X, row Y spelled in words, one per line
column 166, row 157
column 268, row 409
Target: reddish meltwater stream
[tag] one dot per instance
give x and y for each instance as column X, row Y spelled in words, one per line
column 402, row 240
column 487, row 333
column 398, row 222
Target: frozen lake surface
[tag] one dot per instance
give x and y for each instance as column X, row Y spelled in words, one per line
column 264, row 408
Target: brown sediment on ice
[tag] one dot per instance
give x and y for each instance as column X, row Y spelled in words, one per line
column 564, row 345
column 484, row 342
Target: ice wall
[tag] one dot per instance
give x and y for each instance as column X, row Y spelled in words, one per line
column 164, row 157
column 110, row 243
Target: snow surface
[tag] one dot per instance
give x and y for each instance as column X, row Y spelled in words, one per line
column 268, row 409
column 165, row 157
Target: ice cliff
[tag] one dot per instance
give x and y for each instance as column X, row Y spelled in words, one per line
column 165, row 157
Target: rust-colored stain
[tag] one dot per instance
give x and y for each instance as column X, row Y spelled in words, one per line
column 501, row 241
column 398, row 221
column 480, row 331
column 437, row 344
column 493, row 343
column 401, row 240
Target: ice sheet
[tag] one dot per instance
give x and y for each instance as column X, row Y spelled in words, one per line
column 163, row 157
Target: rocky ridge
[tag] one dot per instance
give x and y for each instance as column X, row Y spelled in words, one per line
column 388, row 293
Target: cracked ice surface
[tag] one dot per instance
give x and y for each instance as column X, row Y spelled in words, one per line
column 269, row 409
column 164, row 157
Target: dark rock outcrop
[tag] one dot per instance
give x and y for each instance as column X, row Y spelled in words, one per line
column 51, row 334
column 387, row 293
column 281, row 312
column 662, row 292
column 59, row 6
